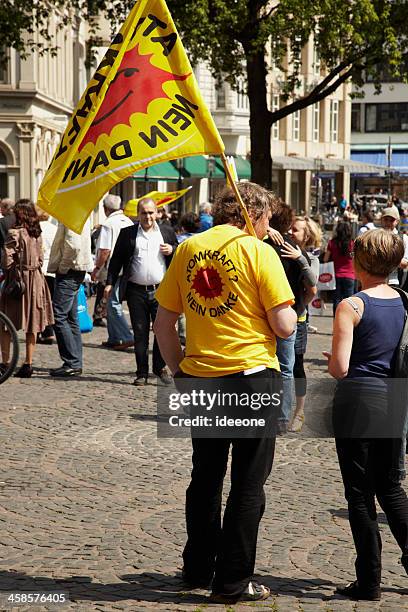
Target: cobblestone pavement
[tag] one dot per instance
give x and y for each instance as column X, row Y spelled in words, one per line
column 91, row 502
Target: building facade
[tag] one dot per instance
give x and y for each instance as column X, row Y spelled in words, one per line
column 379, row 134
column 37, row 97
column 310, row 148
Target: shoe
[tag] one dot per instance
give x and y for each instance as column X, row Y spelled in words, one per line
column 164, row 376
column 66, row 372
column 99, row 323
column 282, row 428
column 26, row 371
column 311, row 329
column 253, row 592
column 195, row 583
column 297, row 423
column 121, row 346
column 49, row 340
column 118, row 346
column 3, row 368
column 353, row 591
column 140, row 381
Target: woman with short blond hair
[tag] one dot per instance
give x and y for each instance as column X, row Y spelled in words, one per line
column 366, row 336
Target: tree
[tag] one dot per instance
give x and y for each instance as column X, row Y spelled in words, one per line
column 241, row 37
column 353, row 38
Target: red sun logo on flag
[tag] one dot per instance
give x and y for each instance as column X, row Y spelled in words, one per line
column 137, row 83
column 207, row 283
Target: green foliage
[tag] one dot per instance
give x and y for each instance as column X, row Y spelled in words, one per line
column 359, row 34
column 354, row 39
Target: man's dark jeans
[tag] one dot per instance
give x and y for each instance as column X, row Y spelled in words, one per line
column 66, row 326
column 143, row 310
column 229, row 550
column 366, row 467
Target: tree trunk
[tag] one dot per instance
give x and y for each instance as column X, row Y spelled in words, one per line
column 259, row 119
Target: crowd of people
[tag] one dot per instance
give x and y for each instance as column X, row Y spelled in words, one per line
column 231, row 306
column 52, row 262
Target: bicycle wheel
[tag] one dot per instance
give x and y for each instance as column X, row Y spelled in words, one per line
column 7, row 325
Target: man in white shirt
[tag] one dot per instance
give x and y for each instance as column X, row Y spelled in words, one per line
column 367, row 220
column 390, row 219
column 144, row 252
column 70, row 259
column 119, row 334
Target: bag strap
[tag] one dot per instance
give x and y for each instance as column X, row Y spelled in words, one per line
column 20, row 250
column 403, row 295
column 355, row 306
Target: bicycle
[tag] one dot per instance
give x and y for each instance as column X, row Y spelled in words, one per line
column 7, row 371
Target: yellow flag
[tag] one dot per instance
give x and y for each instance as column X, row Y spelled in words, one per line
column 159, row 197
column 141, row 107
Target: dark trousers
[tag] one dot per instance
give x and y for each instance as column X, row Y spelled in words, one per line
column 229, row 550
column 66, row 326
column 345, row 287
column 143, row 310
column 366, row 467
column 299, row 375
column 99, row 307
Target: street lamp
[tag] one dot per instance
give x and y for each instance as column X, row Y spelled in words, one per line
column 180, row 168
column 210, row 172
column 318, row 168
column 146, row 180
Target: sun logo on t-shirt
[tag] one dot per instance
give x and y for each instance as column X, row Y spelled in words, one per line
column 207, row 283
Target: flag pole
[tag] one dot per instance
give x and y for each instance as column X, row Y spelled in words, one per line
column 237, row 194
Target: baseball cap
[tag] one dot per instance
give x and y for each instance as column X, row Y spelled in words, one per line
column 392, row 211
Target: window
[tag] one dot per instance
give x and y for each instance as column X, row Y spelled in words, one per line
column 316, row 60
column 297, row 51
column 383, row 73
column 242, row 98
column 334, row 120
column 4, row 66
column 275, row 107
column 3, row 185
column 316, row 122
column 386, row 117
column 356, row 117
column 220, row 96
column 273, row 52
column 296, row 126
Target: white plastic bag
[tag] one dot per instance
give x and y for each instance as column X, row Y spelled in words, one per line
column 317, row 306
column 327, row 279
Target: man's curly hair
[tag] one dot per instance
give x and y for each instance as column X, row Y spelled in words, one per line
column 257, row 199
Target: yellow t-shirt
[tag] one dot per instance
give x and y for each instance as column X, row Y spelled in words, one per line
column 224, row 281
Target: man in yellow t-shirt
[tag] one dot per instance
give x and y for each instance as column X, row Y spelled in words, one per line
column 236, row 299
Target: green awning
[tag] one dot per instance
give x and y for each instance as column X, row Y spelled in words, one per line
column 194, row 167
column 243, row 167
column 164, row 171
column 197, row 167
